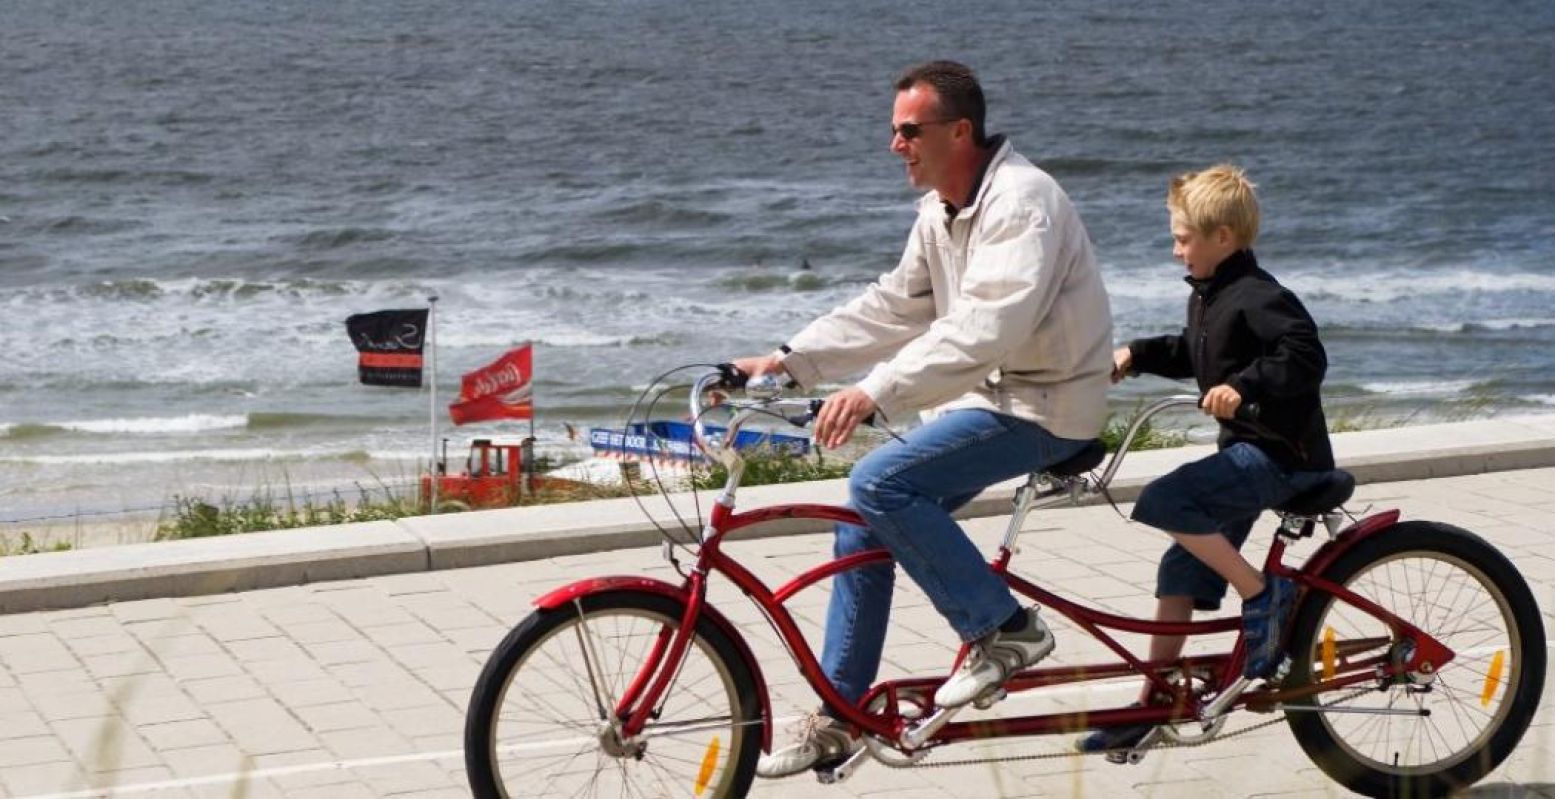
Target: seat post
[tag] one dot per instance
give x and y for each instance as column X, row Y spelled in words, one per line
column 1023, row 499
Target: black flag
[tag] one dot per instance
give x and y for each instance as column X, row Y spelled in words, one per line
column 390, row 344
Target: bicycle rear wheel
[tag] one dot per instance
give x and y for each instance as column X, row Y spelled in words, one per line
column 1458, row 588
column 539, row 719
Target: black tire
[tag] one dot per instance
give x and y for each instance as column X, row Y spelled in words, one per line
column 1455, row 586
column 533, row 728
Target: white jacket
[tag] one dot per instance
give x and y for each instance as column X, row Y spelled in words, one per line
column 1000, row 308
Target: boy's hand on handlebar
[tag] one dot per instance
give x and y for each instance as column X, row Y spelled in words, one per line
column 841, row 413
column 1122, row 360
column 1221, row 402
column 760, row 365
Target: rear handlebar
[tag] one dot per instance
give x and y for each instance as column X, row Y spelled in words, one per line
column 763, row 395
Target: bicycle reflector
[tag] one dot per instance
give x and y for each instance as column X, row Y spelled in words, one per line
column 1328, row 653
column 709, row 761
column 1492, row 678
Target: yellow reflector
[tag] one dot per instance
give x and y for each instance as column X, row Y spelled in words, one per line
column 1328, row 653
column 709, row 762
column 1492, row 678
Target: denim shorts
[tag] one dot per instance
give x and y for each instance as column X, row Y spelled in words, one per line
column 1222, row 494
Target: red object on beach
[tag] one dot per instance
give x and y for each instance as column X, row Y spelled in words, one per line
column 498, row 390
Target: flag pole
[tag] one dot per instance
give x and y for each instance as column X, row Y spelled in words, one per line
column 432, row 382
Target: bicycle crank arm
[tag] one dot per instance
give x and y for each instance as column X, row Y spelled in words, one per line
column 843, row 770
column 917, row 735
column 1365, row 711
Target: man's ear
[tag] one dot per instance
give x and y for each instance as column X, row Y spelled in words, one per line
column 1224, row 236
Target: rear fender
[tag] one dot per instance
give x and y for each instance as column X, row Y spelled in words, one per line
column 593, row 586
column 1373, row 525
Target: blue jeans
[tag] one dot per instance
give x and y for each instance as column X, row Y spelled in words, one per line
column 906, row 491
column 1223, row 493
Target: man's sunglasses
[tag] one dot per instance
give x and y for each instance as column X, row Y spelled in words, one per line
column 912, row 130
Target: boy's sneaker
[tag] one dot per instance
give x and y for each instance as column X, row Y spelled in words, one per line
column 1114, row 739
column 822, row 741
column 994, row 658
column 1263, row 619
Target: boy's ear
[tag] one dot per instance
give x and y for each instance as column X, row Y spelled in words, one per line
column 1224, row 236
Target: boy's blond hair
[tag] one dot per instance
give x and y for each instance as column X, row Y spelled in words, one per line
column 1220, row 195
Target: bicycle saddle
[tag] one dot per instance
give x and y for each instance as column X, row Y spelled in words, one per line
column 1335, row 488
column 1088, row 458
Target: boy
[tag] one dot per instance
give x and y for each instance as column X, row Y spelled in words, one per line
column 1247, row 340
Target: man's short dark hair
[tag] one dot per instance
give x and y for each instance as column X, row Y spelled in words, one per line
column 960, row 96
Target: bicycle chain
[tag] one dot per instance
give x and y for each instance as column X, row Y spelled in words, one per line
column 1018, row 758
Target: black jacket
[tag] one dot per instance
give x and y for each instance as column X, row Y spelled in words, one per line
column 1247, row 331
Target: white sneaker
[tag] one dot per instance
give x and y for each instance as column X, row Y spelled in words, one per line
column 823, row 740
column 994, row 658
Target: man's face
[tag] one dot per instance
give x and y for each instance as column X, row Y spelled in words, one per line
column 1201, row 252
column 927, row 154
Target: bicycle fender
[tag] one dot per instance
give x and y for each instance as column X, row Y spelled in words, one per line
column 592, row 586
column 1375, row 524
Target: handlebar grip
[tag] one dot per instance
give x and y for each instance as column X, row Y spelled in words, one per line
column 1248, row 412
column 815, row 408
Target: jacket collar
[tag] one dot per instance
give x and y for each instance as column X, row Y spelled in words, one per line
column 998, row 150
column 1237, row 265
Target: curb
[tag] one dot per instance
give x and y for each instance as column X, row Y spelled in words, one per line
column 80, row 578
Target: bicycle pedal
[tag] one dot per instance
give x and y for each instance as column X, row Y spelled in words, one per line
column 990, row 699
column 839, row 771
column 1137, row 752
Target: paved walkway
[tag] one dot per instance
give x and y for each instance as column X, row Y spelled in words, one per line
column 356, row 688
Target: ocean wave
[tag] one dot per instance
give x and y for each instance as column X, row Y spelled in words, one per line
column 1420, row 388
column 282, row 420
column 804, row 280
column 674, row 215
column 336, row 238
column 1062, row 167
column 151, row 425
column 1539, row 399
column 253, row 455
column 1389, row 285
column 1440, row 328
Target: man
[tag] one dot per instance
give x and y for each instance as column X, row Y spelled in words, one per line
column 996, row 320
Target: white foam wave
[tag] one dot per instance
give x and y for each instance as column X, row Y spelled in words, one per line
column 1390, row 285
column 1542, row 399
column 1432, row 388
column 1513, row 324
column 167, row 456
column 254, row 454
column 190, row 423
column 1374, row 286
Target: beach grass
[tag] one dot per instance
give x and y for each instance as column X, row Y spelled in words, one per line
column 25, row 544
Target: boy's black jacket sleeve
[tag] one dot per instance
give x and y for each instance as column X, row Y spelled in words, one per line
column 1166, row 356
column 1293, row 362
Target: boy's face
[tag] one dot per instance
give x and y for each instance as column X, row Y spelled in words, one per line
column 1201, row 252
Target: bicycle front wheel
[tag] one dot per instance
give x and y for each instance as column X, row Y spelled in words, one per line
column 1458, row 588
column 541, row 719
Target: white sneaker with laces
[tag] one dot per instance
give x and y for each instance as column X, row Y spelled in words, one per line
column 994, row 658
column 822, row 740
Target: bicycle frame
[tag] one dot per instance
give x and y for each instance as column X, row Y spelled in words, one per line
column 889, row 724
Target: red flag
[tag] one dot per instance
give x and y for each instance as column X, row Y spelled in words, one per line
column 498, row 390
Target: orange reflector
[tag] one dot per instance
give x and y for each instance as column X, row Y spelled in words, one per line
column 1492, row 678
column 1328, row 653
column 709, row 762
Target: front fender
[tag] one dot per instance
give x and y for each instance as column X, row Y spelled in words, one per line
column 592, row 586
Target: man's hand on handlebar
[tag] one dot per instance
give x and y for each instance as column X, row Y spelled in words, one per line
column 1221, row 402
column 841, row 412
